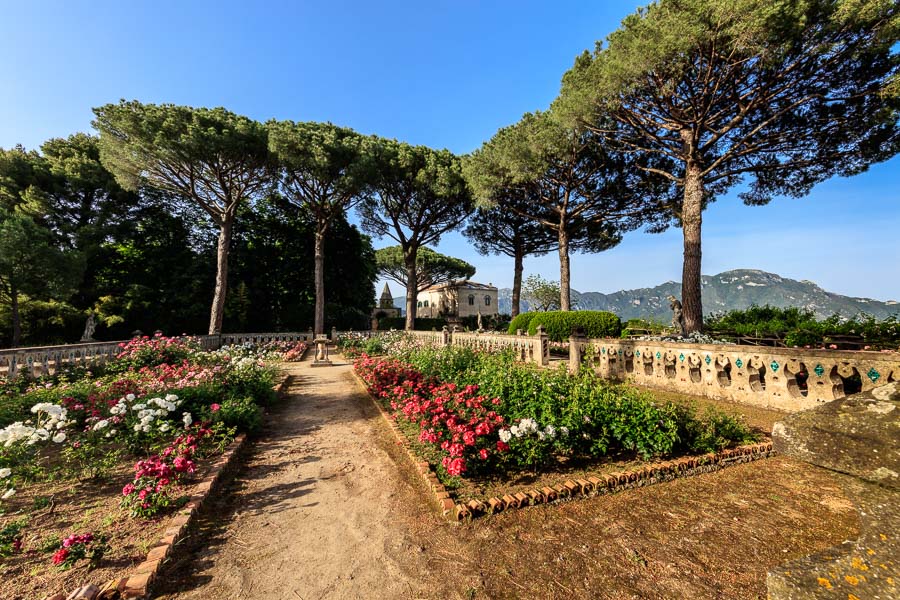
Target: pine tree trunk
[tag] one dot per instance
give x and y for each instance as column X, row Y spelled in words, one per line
column 518, row 259
column 412, row 290
column 16, row 318
column 320, row 280
column 691, row 220
column 218, row 305
column 565, row 293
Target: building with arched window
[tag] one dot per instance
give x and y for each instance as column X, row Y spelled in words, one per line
column 457, row 299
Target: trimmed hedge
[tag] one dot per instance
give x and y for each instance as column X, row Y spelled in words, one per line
column 559, row 324
column 520, row 322
column 422, row 324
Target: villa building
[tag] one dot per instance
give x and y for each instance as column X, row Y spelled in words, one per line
column 456, row 300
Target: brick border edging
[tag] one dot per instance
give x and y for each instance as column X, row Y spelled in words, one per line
column 138, row 583
column 610, row 483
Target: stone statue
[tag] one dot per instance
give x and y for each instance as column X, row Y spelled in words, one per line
column 89, row 327
column 480, row 327
column 677, row 315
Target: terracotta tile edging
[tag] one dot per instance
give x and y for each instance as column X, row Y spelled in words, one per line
column 596, row 485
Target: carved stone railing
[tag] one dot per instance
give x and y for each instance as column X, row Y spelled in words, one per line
column 37, row 361
column 527, row 348
column 751, row 374
column 46, row 360
column 231, row 339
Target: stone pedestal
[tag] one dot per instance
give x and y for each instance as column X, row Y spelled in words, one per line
column 321, row 359
column 859, row 438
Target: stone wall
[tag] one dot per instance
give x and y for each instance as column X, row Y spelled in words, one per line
column 756, row 375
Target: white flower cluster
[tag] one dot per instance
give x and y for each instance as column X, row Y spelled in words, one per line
column 527, row 427
column 149, row 415
column 50, row 420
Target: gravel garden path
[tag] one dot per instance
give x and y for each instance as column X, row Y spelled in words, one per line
column 309, row 515
column 325, row 505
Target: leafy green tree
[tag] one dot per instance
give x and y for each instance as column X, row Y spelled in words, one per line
column 432, row 268
column 323, row 170
column 541, row 295
column 30, row 265
column 418, row 195
column 273, row 258
column 776, row 95
column 23, row 175
column 579, row 191
column 501, row 229
column 209, row 155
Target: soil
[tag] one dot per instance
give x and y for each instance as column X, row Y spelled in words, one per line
column 327, row 506
column 55, row 509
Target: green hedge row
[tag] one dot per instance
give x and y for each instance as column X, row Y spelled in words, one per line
column 521, row 321
column 559, row 324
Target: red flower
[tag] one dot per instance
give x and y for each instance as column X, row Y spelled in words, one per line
column 59, row 557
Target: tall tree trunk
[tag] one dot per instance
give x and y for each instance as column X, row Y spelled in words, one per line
column 218, row 304
column 517, row 282
column 691, row 220
column 565, row 293
column 412, row 290
column 320, row 279
column 16, row 319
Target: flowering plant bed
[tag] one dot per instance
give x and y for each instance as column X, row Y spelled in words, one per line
column 105, row 457
column 543, row 427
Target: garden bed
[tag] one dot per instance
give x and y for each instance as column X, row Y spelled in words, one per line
column 72, row 512
column 544, row 435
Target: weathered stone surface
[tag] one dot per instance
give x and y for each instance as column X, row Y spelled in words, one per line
column 859, row 435
column 858, row 438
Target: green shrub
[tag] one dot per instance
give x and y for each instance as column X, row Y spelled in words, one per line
column 643, row 325
column 559, row 324
column 521, row 321
column 241, row 413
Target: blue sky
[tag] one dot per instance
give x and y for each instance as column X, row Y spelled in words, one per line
column 445, row 74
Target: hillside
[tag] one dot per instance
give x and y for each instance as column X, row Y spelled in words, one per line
column 730, row 290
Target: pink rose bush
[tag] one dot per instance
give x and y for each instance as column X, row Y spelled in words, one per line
column 458, row 423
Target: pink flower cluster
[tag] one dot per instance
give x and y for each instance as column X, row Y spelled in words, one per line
column 460, row 423
column 74, row 544
column 149, row 492
column 177, row 376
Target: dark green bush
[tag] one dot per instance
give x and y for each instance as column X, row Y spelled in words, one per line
column 521, row 321
column 559, row 324
column 242, row 413
column 422, row 324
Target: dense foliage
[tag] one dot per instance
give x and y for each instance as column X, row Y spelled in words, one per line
column 559, row 325
column 521, row 321
column 799, row 327
column 479, row 413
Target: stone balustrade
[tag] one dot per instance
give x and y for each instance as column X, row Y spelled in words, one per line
column 527, row 348
column 46, row 360
column 38, row 361
column 236, row 339
column 789, row 379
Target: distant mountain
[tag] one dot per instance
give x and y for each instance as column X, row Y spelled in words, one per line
column 730, row 290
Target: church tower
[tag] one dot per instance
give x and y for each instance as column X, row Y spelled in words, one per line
column 387, row 301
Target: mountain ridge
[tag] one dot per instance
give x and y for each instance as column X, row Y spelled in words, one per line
column 729, row 290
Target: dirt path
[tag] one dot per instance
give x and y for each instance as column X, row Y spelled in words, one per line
column 309, row 515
